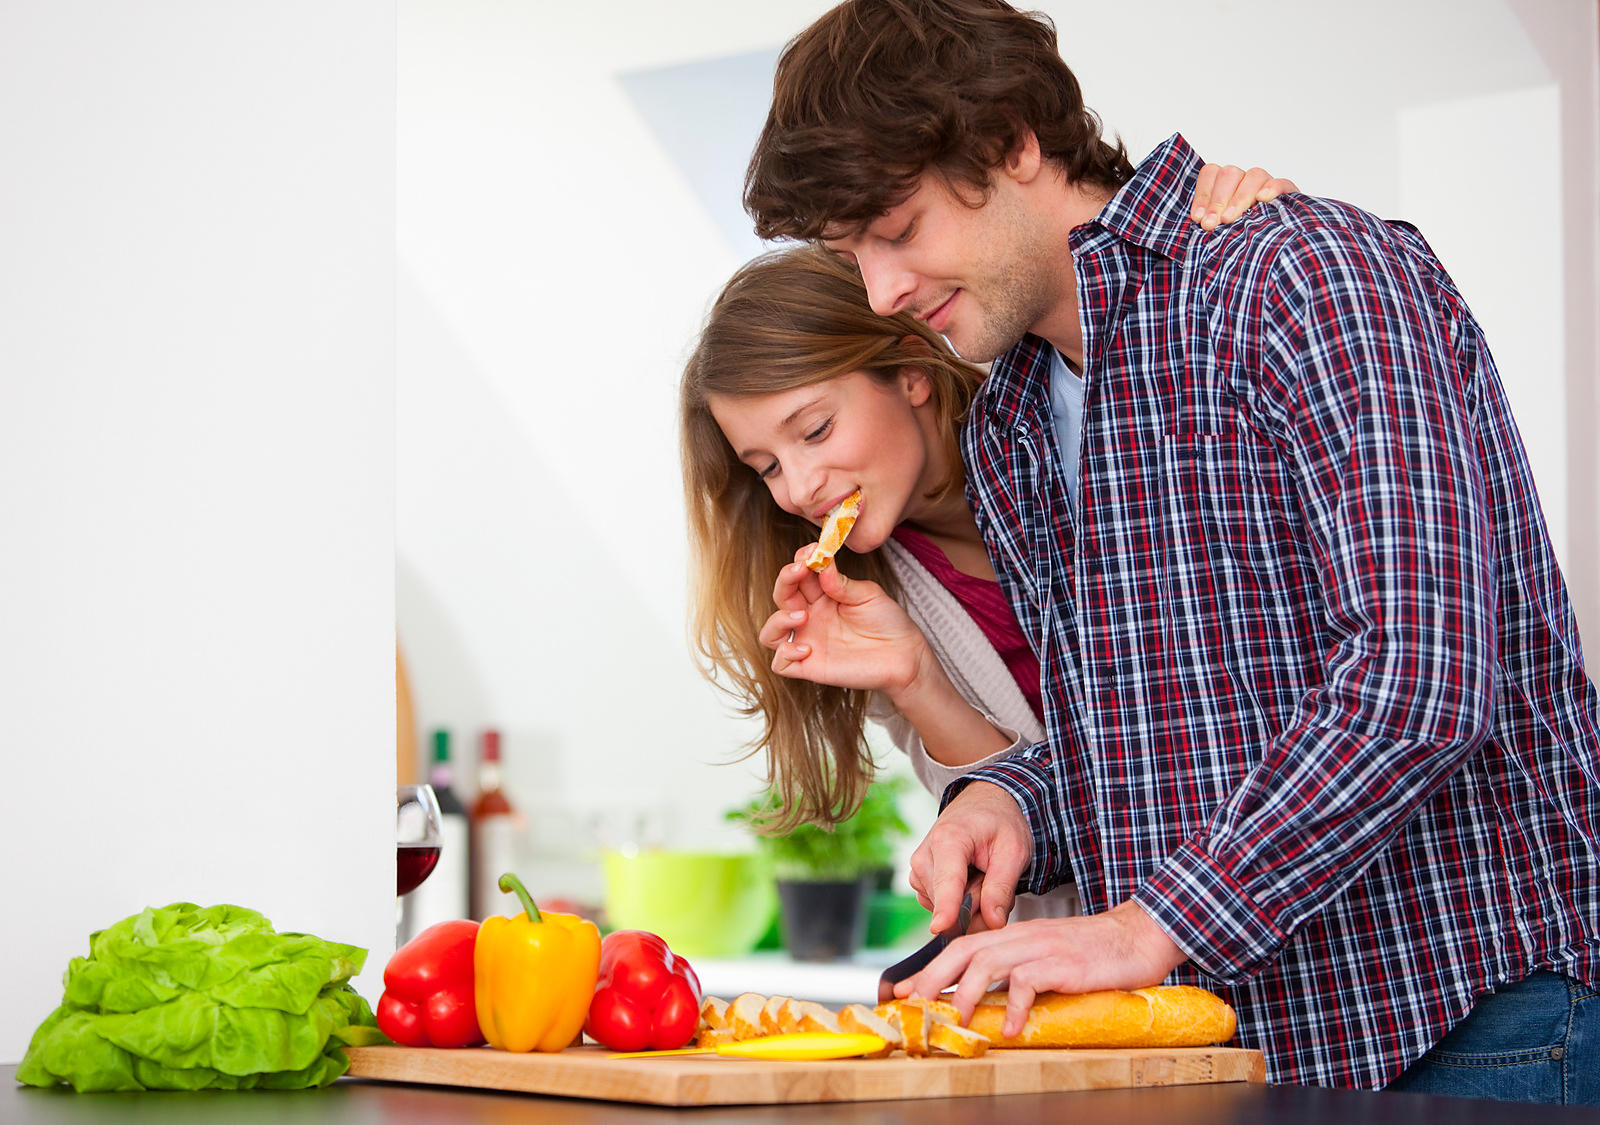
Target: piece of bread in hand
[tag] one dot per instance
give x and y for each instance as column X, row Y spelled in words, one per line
column 1168, row 1016
column 835, row 528
column 744, row 1015
column 862, row 1020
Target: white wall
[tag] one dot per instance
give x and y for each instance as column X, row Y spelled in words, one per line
column 198, row 461
column 196, row 472
column 569, row 203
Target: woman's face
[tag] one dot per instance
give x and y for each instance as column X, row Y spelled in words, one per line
column 816, row 444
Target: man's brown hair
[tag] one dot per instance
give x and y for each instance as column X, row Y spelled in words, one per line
column 878, row 91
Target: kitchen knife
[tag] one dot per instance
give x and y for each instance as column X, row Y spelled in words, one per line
column 914, row 964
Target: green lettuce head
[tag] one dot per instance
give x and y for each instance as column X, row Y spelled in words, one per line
column 191, row 998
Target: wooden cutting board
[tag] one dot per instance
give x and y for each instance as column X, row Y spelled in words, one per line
column 686, row 1080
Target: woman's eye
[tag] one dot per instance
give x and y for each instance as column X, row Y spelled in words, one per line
column 767, row 473
column 820, row 430
column 904, row 236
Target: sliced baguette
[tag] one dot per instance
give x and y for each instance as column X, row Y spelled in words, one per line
column 957, row 1040
column 770, row 1024
column 714, row 1036
column 713, row 1013
column 789, row 1016
column 811, row 1016
column 914, row 1025
column 744, row 1015
column 862, row 1019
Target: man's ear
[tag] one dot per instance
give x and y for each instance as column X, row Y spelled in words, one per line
column 1024, row 161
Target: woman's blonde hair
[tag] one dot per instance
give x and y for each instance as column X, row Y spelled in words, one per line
column 789, row 319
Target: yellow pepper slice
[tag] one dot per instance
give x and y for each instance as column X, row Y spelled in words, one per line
column 534, row 976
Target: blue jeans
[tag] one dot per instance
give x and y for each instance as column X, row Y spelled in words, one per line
column 1534, row 1041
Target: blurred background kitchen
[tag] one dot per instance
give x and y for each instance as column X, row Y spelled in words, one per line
column 324, row 324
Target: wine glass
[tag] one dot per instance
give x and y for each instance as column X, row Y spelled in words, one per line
column 417, row 831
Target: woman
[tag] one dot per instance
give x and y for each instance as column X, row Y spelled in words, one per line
column 796, row 395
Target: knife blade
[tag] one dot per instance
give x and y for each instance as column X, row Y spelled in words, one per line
column 914, row 964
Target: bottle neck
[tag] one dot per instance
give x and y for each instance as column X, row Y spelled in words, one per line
column 439, row 776
column 489, row 777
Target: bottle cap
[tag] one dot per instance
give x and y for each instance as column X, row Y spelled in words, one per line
column 491, row 746
column 441, row 746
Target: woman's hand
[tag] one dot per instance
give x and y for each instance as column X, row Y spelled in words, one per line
column 849, row 633
column 1222, row 194
column 846, row 632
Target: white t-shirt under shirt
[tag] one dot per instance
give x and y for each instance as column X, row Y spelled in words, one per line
column 1066, row 410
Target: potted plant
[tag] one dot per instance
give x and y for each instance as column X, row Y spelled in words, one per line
column 826, row 877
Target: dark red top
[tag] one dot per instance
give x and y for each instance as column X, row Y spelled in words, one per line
column 983, row 599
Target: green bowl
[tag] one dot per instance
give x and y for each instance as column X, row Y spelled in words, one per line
column 702, row 904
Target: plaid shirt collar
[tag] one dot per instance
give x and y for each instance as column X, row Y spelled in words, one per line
column 1150, row 211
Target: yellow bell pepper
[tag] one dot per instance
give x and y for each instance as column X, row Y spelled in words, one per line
column 534, row 976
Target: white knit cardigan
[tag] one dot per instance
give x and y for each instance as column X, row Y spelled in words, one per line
column 982, row 678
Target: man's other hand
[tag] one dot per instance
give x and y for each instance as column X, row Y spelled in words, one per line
column 983, row 831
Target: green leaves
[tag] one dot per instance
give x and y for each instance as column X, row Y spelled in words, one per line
column 185, row 998
column 863, row 843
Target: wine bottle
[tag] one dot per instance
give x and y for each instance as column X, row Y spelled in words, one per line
column 444, row 895
column 493, row 833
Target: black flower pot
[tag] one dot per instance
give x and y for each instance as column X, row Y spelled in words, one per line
column 824, row 921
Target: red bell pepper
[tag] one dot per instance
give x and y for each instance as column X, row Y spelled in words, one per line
column 646, row 998
column 428, row 998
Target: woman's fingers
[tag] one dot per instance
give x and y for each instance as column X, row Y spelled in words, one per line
column 780, row 626
column 1224, row 185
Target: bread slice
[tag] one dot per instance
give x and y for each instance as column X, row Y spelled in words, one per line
column 770, row 1024
column 1169, row 1016
column 714, row 1036
column 744, row 1015
column 811, row 1016
column 957, row 1040
column 713, row 1012
column 863, row 1020
column 789, row 1016
column 914, row 1025
column 835, row 528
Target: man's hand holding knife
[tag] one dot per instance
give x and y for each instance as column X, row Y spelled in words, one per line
column 980, row 845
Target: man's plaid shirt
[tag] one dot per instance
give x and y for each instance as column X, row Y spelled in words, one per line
column 1315, row 697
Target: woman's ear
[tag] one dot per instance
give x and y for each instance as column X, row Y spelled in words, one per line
column 918, row 387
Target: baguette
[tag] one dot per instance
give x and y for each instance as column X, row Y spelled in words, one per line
column 1169, row 1016
column 835, row 528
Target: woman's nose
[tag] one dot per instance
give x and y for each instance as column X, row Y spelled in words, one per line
column 806, row 481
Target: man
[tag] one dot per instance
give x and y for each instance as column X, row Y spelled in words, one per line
column 1319, row 733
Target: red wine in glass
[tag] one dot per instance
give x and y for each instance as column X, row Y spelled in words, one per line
column 413, row 863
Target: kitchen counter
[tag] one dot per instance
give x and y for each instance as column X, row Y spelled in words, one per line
column 355, row 1102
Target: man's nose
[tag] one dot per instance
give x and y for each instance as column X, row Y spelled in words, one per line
column 889, row 287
